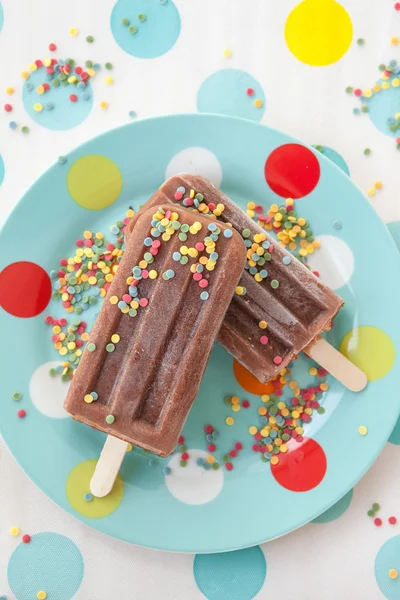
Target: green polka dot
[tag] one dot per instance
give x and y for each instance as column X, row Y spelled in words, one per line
column 94, row 181
column 371, row 349
column 78, row 484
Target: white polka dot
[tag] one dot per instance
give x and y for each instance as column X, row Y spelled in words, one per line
column 48, row 393
column 334, row 261
column 196, row 161
column 193, row 484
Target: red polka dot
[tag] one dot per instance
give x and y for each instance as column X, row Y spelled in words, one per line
column 302, row 468
column 292, row 171
column 25, row 289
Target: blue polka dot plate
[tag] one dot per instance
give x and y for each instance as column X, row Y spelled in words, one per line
column 247, row 496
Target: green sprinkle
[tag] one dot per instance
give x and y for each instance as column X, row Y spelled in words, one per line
column 364, row 108
column 110, row 419
column 142, row 17
column 367, row 151
column 125, row 22
column 371, row 513
column 361, row 41
column 349, row 89
column 55, row 83
column 17, row 396
column 215, row 466
column 89, row 64
column 182, row 448
column 375, row 507
column 225, row 457
column 246, row 233
column 89, row 39
column 108, row 66
column 228, row 400
column 132, row 30
column 274, row 284
column 110, row 347
column 53, row 372
column 91, row 347
column 319, row 148
column 25, row 129
column 183, row 463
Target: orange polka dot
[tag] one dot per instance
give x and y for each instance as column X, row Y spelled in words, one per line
column 250, row 383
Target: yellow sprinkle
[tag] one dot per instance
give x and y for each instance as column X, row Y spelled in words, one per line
column 235, row 400
column 41, row 595
column 258, row 104
column 367, row 93
column 371, row 192
column 312, row 371
column 129, row 448
column 73, row 31
column 47, row 62
column 376, row 87
column 109, row 80
column 25, row 75
column 262, row 410
column 362, row 430
column 239, row 290
column 378, row 184
column 88, row 398
column 40, row 90
column 393, row 573
column 115, row 338
column 10, row 90
column 265, row 431
column 284, row 448
column 394, row 41
column 265, row 397
column 103, row 104
column 210, row 459
column 153, row 274
column 38, row 107
column 14, row 531
column 274, row 460
column 395, row 82
column 32, row 67
column 227, row 52
column 385, row 85
column 91, row 72
column 262, row 324
column 252, row 430
column 324, row 386
column 229, row 420
column 114, row 299
column 235, row 407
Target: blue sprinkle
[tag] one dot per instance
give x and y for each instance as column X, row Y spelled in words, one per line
column 96, row 67
column 228, row 233
column 214, row 434
column 12, row 125
column 49, row 76
column 88, row 497
column 94, row 395
column 167, row 470
column 133, row 290
column 153, row 462
column 53, row 274
column 214, row 256
column 286, row 260
column 170, row 273
column 148, row 241
column 86, row 96
column 200, row 462
column 49, row 106
column 156, row 233
column 263, row 420
column 212, row 227
column 29, row 86
column 268, row 454
column 247, row 243
column 273, row 434
column 214, row 237
column 266, row 245
column 177, row 256
column 267, row 440
column 207, row 466
column 132, row 114
column 61, row 62
column 255, row 256
column 253, row 270
column 78, row 297
column 60, row 369
column 356, row 111
column 62, row 160
column 209, row 437
column 122, row 304
column 96, row 291
column 199, row 268
column 81, row 85
column 181, row 189
column 264, row 273
column 337, row 225
column 204, row 296
column 57, row 285
column 114, row 229
column 71, row 289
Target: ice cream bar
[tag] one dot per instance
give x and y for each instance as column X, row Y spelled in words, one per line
column 279, row 307
column 144, row 360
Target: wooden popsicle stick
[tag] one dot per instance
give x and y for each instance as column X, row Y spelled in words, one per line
column 340, row 367
column 107, row 467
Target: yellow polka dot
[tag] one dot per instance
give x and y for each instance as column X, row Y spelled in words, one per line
column 393, row 573
column 14, row 531
column 318, row 32
column 94, row 181
column 371, row 349
column 229, row 420
column 41, row 595
column 253, row 430
column 78, row 484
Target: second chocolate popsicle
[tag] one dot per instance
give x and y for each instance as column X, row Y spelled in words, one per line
column 280, row 307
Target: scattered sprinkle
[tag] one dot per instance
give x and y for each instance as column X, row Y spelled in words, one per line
column 227, row 52
column 26, row 538
column 21, row 413
column 361, row 41
column 89, row 39
column 229, row 420
column 110, row 419
column 104, row 105
column 16, row 396
column 73, row 31
column 14, row 531
column 378, row 522
column 392, row 520
column 41, row 595
column 367, row 151
column 362, row 430
column 62, row 160
column 393, row 573
column 88, row 497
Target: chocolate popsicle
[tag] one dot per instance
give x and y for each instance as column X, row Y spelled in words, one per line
column 146, row 355
column 280, row 307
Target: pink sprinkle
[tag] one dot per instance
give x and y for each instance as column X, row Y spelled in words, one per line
column 277, row 359
column 63, row 262
column 264, row 340
column 21, row 413
column 211, row 206
column 79, row 343
column 212, row 447
column 250, row 92
column 38, row 63
column 153, row 251
column 62, row 322
column 271, row 248
column 168, row 214
column 145, row 274
column 245, row 404
column 55, row 338
column 49, row 320
column 392, row 520
column 66, row 304
column 378, row 522
column 255, row 448
column 110, row 247
column 258, row 437
column 200, row 246
column 84, row 76
column 79, row 243
column 178, row 195
column 26, row 538
column 322, row 372
column 258, row 208
column 107, row 286
column 189, row 201
column 143, row 302
column 228, row 466
column 127, row 298
column 203, row 283
column 78, row 70
column 305, row 417
column 156, row 244
column 73, row 98
column 52, row 47
column 88, row 243
column 197, row 276
column 126, row 220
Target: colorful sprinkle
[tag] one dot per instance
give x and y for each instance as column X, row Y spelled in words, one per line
column 110, row 419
